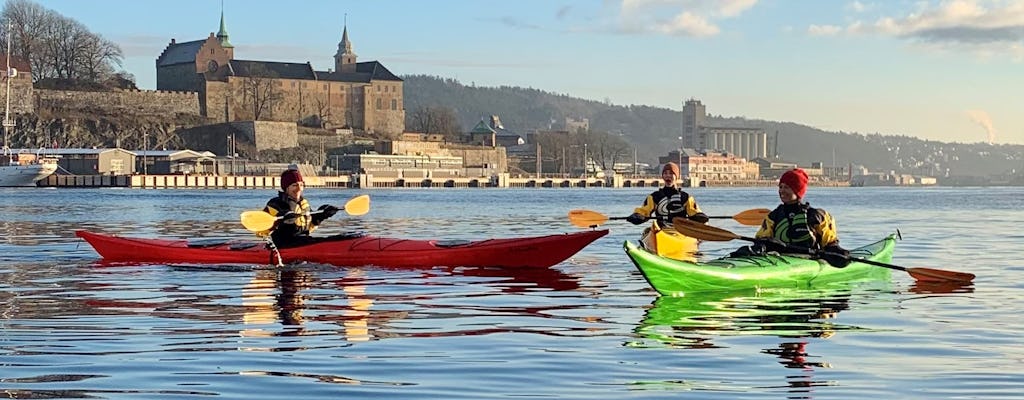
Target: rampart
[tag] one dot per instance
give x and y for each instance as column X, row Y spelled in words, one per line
column 133, row 102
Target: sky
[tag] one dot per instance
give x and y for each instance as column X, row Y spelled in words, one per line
column 950, row 71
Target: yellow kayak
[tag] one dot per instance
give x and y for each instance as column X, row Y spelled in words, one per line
column 669, row 243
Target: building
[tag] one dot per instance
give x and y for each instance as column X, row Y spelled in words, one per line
column 403, row 166
column 492, row 133
column 105, row 161
column 21, row 87
column 364, row 96
column 167, row 162
column 698, row 166
column 749, row 143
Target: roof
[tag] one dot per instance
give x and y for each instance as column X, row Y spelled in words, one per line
column 70, row 151
column 16, row 63
column 271, row 69
column 482, row 127
column 179, row 53
column 365, row 72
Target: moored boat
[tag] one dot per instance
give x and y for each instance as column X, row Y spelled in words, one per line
column 350, row 250
column 668, row 242
column 676, row 278
column 24, row 169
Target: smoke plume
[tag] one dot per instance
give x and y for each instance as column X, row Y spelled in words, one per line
column 981, row 117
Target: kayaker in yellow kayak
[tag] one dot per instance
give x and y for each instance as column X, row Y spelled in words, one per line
column 796, row 223
column 294, row 229
column 668, row 202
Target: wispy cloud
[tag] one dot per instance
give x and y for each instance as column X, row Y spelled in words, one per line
column 518, row 23
column 857, row 6
column 978, row 26
column 824, row 30
column 693, row 18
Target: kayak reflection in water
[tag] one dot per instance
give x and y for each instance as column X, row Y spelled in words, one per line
column 298, row 221
column 794, row 223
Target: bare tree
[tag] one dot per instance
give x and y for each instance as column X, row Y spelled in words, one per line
column 323, row 110
column 58, row 47
column 259, row 91
column 608, row 148
column 438, row 119
column 98, row 56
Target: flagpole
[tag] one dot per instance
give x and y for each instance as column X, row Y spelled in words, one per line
column 7, row 79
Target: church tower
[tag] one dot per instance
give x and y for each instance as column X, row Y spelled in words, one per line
column 222, row 36
column 345, row 58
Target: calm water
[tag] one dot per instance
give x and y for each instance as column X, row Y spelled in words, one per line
column 588, row 328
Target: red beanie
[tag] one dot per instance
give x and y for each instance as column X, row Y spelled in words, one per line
column 289, row 177
column 796, row 179
column 671, row 166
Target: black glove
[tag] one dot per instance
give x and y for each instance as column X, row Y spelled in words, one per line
column 755, row 249
column 836, row 256
column 328, row 210
column 771, row 244
column 699, row 217
column 289, row 217
column 636, row 219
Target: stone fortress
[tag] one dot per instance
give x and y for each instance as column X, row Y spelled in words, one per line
column 362, row 96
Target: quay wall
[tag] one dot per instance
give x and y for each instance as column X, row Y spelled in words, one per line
column 369, row 181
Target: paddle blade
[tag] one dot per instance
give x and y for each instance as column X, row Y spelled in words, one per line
column 586, row 218
column 753, row 217
column 257, row 221
column 359, row 205
column 938, row 275
column 701, row 231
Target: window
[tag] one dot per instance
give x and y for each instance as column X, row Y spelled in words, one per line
column 380, row 103
column 394, row 104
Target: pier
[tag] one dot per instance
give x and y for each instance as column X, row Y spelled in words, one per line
column 367, row 181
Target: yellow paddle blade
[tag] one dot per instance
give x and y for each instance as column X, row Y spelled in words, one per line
column 752, row 217
column 701, row 231
column 359, row 205
column 257, row 221
column 586, row 218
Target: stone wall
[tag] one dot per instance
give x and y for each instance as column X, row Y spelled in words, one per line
column 249, row 136
column 21, row 94
column 487, row 158
column 135, row 102
column 269, row 135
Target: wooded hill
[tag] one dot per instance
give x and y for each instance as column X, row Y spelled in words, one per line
column 653, row 130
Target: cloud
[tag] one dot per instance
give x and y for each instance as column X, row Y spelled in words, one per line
column 976, row 26
column 513, row 22
column 857, row 6
column 824, row 30
column 563, row 12
column 692, row 18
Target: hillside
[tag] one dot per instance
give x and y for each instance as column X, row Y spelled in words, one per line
column 654, row 129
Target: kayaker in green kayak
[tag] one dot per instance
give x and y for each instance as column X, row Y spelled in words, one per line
column 298, row 222
column 796, row 224
column 668, row 202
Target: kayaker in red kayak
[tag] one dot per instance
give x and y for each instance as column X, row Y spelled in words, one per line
column 796, row 223
column 668, row 202
column 298, row 222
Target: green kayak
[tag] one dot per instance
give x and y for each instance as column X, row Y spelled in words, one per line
column 677, row 278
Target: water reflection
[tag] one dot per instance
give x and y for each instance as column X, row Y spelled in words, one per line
column 696, row 321
column 282, row 303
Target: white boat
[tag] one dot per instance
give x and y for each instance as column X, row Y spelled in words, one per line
column 20, row 168
column 24, row 168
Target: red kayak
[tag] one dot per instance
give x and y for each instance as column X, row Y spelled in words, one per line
column 350, row 250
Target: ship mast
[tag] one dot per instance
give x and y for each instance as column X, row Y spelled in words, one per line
column 8, row 124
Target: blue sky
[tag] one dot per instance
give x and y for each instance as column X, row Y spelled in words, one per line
column 939, row 70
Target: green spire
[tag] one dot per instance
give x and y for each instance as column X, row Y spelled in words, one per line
column 222, row 34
